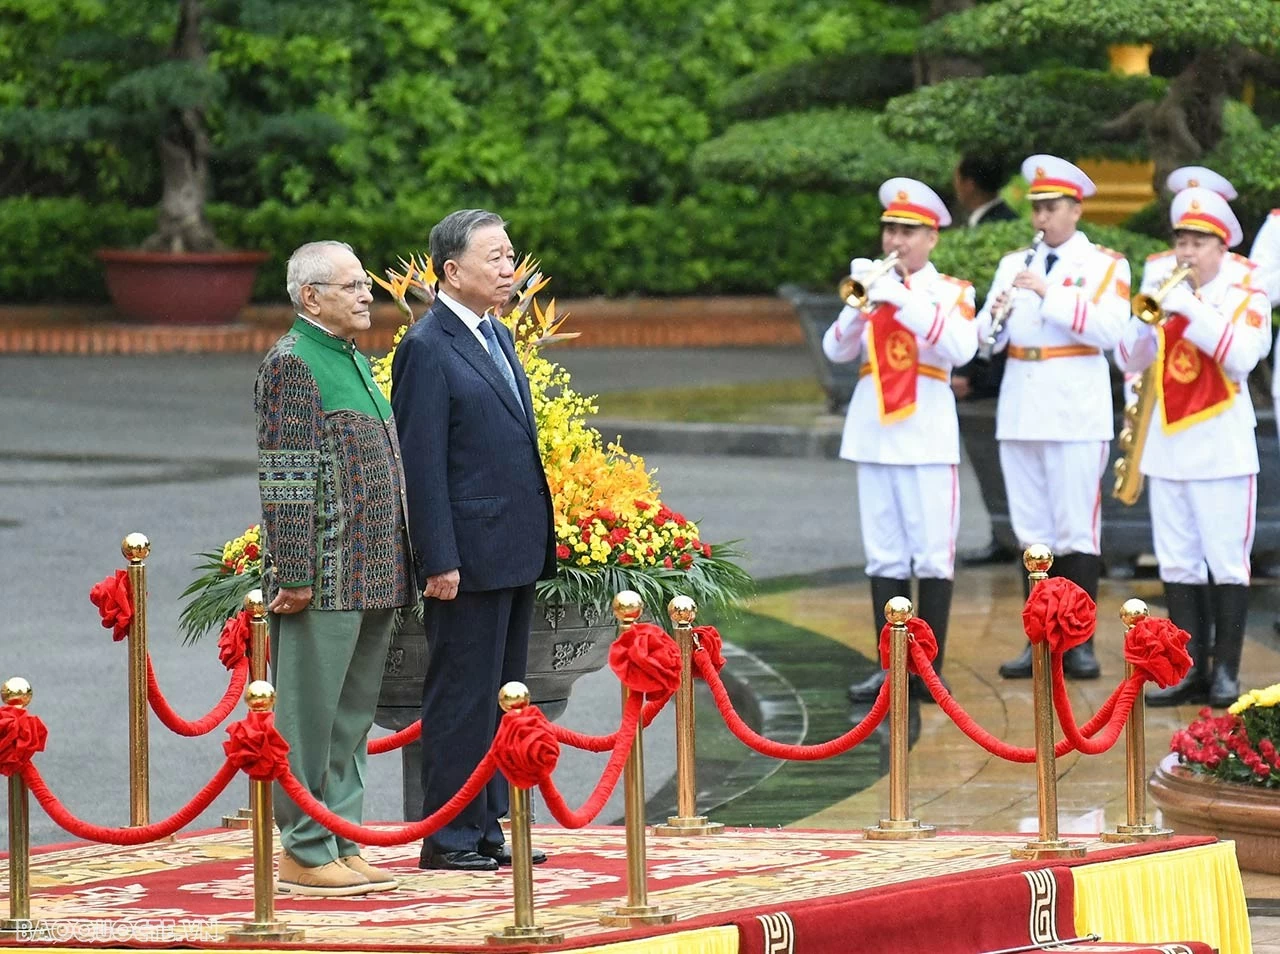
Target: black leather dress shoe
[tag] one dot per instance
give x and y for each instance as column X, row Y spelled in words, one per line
column 502, row 853
column 991, row 553
column 1019, row 668
column 457, row 861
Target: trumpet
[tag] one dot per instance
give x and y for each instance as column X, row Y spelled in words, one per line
column 1148, row 308
column 853, row 291
column 1000, row 314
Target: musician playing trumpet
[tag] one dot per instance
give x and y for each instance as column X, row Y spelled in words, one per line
column 1200, row 458
column 901, row 429
column 1066, row 304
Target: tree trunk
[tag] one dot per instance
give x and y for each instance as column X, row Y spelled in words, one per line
column 184, row 159
column 937, row 67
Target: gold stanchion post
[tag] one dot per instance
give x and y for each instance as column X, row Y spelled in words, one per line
column 899, row 826
column 261, row 697
column 627, row 609
column 512, row 696
column 136, row 548
column 1038, row 559
column 259, row 641
column 1137, row 827
column 683, row 611
column 18, row 926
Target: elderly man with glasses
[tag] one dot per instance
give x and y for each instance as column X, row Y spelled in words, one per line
column 336, row 561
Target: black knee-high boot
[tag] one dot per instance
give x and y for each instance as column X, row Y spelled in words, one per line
column 934, row 608
column 883, row 589
column 1231, row 611
column 1082, row 569
column 1188, row 610
column 1020, row 666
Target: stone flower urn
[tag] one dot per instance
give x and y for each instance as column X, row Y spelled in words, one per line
column 1195, row 804
column 567, row 642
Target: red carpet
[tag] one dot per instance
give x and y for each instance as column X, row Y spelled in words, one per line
column 785, row 890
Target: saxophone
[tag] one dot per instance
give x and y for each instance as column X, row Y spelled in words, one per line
column 1138, row 412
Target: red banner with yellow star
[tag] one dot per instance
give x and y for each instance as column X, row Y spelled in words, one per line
column 894, row 359
column 1192, row 386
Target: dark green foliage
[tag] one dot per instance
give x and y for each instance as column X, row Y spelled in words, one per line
column 838, row 150
column 1055, row 111
column 1011, row 24
column 973, row 254
column 830, row 81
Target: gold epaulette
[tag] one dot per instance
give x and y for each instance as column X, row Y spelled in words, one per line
column 1154, row 255
column 1244, row 260
column 955, row 281
column 1109, row 251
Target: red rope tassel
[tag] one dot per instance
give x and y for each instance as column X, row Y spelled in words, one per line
column 397, row 740
column 126, row 836
column 779, row 750
column 175, row 723
column 625, row 735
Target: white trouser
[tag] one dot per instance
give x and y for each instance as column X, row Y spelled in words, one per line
column 1202, row 527
column 1055, row 492
column 910, row 515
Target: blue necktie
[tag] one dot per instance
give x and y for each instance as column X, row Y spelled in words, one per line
column 500, row 359
column 1049, row 261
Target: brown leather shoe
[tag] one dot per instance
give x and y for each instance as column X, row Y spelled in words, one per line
column 332, row 880
column 378, row 879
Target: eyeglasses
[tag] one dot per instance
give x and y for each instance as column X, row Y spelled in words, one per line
column 351, row 288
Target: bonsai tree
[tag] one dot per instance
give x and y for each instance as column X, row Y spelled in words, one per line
column 111, row 82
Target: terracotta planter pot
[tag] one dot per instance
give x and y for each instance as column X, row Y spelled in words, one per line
column 202, row 288
column 1198, row 805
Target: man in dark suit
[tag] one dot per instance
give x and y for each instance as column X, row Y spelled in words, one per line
column 480, row 521
column 978, row 181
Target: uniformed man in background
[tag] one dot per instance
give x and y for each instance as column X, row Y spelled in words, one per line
column 901, row 426
column 1200, row 457
column 1056, row 308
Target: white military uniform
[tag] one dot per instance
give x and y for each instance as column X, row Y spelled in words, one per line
column 1054, row 416
column 1266, row 253
column 1201, row 472
column 908, row 486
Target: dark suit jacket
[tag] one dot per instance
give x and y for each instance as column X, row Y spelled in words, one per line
column 1000, row 212
column 478, row 497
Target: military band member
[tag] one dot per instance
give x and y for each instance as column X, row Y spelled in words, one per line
column 901, row 428
column 1200, row 457
column 1236, row 269
column 1266, row 254
column 1066, row 302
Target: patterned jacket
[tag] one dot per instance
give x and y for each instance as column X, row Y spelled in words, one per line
column 330, row 477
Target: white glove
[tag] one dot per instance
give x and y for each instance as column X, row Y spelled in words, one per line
column 859, row 267
column 1180, row 300
column 888, row 289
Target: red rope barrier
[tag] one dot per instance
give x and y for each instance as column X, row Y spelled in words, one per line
column 126, row 836
column 1121, row 702
column 625, row 735
column 604, row 743
column 397, row 740
column 404, row 834
column 780, row 750
column 175, row 723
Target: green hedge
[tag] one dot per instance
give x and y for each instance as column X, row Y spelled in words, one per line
column 1055, row 111
column 723, row 239
column 840, row 150
column 830, row 81
column 973, row 254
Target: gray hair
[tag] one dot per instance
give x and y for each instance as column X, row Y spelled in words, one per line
column 452, row 234
column 309, row 264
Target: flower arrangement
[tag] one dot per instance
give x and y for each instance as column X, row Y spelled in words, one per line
column 1239, row 746
column 613, row 532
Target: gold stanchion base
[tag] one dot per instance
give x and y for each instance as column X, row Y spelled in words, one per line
column 20, row 929
column 631, row 915
column 1127, row 834
column 899, row 829
column 511, row 934
column 264, row 931
column 688, row 825
column 243, row 818
column 1034, row 850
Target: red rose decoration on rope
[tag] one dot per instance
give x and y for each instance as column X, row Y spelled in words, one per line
column 645, row 659
column 22, row 735
column 524, row 747
column 256, row 747
column 115, row 604
column 918, row 632
column 233, row 644
column 709, row 638
column 1158, row 649
column 1060, row 613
